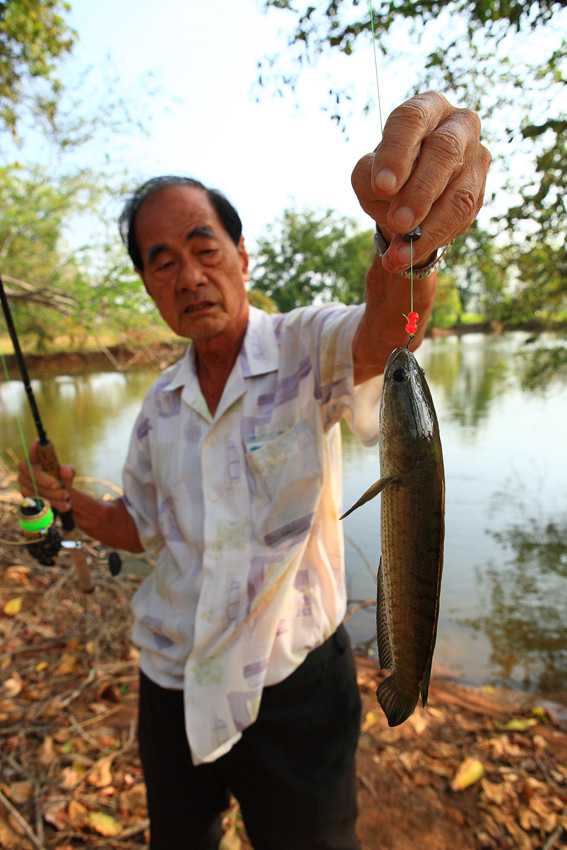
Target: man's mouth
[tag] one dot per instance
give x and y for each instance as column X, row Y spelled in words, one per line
column 200, row 307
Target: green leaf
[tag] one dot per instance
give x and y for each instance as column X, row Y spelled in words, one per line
column 517, row 724
column 104, row 824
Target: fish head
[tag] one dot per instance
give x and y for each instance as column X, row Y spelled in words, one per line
column 407, row 414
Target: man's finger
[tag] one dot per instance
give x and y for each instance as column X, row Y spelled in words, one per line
column 450, row 216
column 404, row 132
column 450, row 151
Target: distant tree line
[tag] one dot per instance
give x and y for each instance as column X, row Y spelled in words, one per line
column 513, row 269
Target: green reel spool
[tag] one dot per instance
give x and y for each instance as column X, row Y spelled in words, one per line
column 35, row 517
column 37, row 522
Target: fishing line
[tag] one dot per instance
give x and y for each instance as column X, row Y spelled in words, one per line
column 376, row 65
column 411, row 276
column 412, row 323
column 19, row 424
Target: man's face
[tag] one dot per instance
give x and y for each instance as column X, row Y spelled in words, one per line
column 192, row 269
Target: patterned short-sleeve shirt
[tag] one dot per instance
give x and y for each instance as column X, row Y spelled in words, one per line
column 242, row 511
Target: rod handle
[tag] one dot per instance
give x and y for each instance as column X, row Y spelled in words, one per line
column 50, row 464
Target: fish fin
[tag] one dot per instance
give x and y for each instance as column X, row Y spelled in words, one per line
column 424, row 684
column 384, row 644
column 396, row 706
column 370, row 494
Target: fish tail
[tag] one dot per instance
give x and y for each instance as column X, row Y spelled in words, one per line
column 396, row 706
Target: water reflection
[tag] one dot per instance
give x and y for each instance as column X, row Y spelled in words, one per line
column 469, row 371
column 89, row 417
column 504, row 594
column 498, row 440
column 524, row 602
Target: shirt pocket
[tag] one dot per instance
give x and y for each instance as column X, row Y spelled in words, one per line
column 287, row 478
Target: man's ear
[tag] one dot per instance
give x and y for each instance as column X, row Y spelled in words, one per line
column 244, row 259
column 140, row 274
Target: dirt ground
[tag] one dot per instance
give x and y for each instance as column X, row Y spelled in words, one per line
column 476, row 769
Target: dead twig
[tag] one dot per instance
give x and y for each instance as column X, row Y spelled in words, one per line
column 88, row 738
column 364, row 781
column 109, row 758
column 98, row 717
column 368, row 603
column 22, row 822
column 87, row 479
column 131, row 831
column 362, row 556
column 65, row 700
column 555, row 835
column 37, row 648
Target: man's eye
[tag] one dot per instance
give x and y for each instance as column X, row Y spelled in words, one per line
column 209, row 255
column 164, row 266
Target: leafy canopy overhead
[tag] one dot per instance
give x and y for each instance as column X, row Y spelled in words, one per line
column 346, row 19
column 505, row 59
column 34, row 37
column 51, row 123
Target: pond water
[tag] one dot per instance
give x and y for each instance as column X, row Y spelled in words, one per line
column 504, row 592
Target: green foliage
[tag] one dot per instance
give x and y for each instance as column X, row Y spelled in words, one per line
column 312, row 256
column 340, row 23
column 261, row 301
column 447, row 304
column 34, row 36
column 479, row 275
column 507, row 61
column 545, row 360
column 52, row 289
column 38, row 276
column 111, row 297
column 42, row 120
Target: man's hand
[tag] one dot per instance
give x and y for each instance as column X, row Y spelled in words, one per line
column 108, row 522
column 50, row 489
column 429, row 169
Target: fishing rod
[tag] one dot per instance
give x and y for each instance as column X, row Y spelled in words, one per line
column 36, row 516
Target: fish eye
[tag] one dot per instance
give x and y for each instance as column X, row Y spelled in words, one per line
column 400, row 375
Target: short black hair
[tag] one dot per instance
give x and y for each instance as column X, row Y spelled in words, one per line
column 227, row 214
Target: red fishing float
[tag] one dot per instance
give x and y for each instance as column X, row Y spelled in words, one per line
column 413, row 319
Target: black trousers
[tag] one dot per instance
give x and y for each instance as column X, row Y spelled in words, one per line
column 293, row 771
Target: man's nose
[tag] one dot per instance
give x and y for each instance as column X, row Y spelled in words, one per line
column 191, row 274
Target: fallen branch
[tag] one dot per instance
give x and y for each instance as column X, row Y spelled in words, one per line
column 107, row 758
column 131, row 831
column 362, row 556
column 22, row 822
column 364, row 781
column 59, row 702
column 88, row 738
column 555, row 835
column 367, row 604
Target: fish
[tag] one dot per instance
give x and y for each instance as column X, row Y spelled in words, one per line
column 412, row 527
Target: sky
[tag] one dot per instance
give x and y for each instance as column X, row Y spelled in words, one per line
column 187, row 69
column 204, row 122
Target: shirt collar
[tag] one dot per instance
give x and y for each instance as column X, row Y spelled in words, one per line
column 258, row 355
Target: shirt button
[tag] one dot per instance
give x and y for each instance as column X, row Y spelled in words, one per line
column 212, row 440
column 215, row 554
column 214, row 497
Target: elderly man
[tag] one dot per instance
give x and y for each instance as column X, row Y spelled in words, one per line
column 233, row 480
